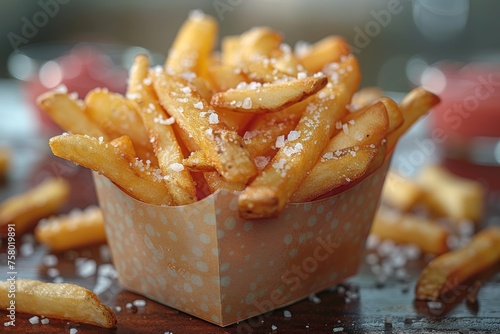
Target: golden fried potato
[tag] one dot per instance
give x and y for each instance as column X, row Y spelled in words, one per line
column 61, row 301
column 446, row 271
column 25, row 209
column 79, row 228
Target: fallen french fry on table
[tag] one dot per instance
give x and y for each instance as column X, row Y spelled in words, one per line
column 77, row 229
column 451, row 196
column 64, row 301
column 401, row 193
column 410, row 229
column 447, row 271
column 25, row 209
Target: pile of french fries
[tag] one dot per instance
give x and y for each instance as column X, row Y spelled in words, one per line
column 444, row 197
column 437, row 191
column 255, row 117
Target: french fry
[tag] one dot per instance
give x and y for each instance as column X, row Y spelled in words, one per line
column 79, row 228
column 125, row 145
column 368, row 127
column 396, row 118
column 271, row 190
column 216, row 182
column 198, row 162
column 193, row 45
column 224, row 147
column 117, row 116
column 334, row 170
column 68, row 113
column 61, row 301
column 329, row 49
column 366, row 96
column 137, row 179
column 167, row 150
column 25, row 209
column 410, row 229
column 414, row 105
column 225, row 77
column 452, row 196
column 394, row 114
column 263, row 70
column 263, row 131
column 401, row 193
column 270, row 97
column 253, row 44
column 446, row 271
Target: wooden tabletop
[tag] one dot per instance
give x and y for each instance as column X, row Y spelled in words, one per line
column 366, row 303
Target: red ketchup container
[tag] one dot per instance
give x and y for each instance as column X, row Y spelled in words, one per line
column 466, row 124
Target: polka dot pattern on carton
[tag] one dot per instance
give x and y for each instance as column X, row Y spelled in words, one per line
column 204, row 260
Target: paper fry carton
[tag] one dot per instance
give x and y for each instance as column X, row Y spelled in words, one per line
column 204, row 260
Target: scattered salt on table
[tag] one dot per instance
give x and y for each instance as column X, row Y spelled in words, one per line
column 139, row 303
column 34, row 320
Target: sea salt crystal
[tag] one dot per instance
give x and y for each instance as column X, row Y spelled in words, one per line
column 73, row 331
column 85, row 267
column 261, row 161
column 198, row 105
column 293, row 135
column 301, row 75
column 432, row 305
column 34, row 320
column 247, row 103
column 315, row 299
column 139, row 303
column 49, row 260
column 177, row 167
column 213, row 118
column 345, row 128
column 274, row 327
column 53, row 272
column 26, row 249
column 45, row 321
column 280, row 141
column 287, row 314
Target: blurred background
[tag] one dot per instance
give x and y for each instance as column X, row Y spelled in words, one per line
column 394, row 39
column 400, row 44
